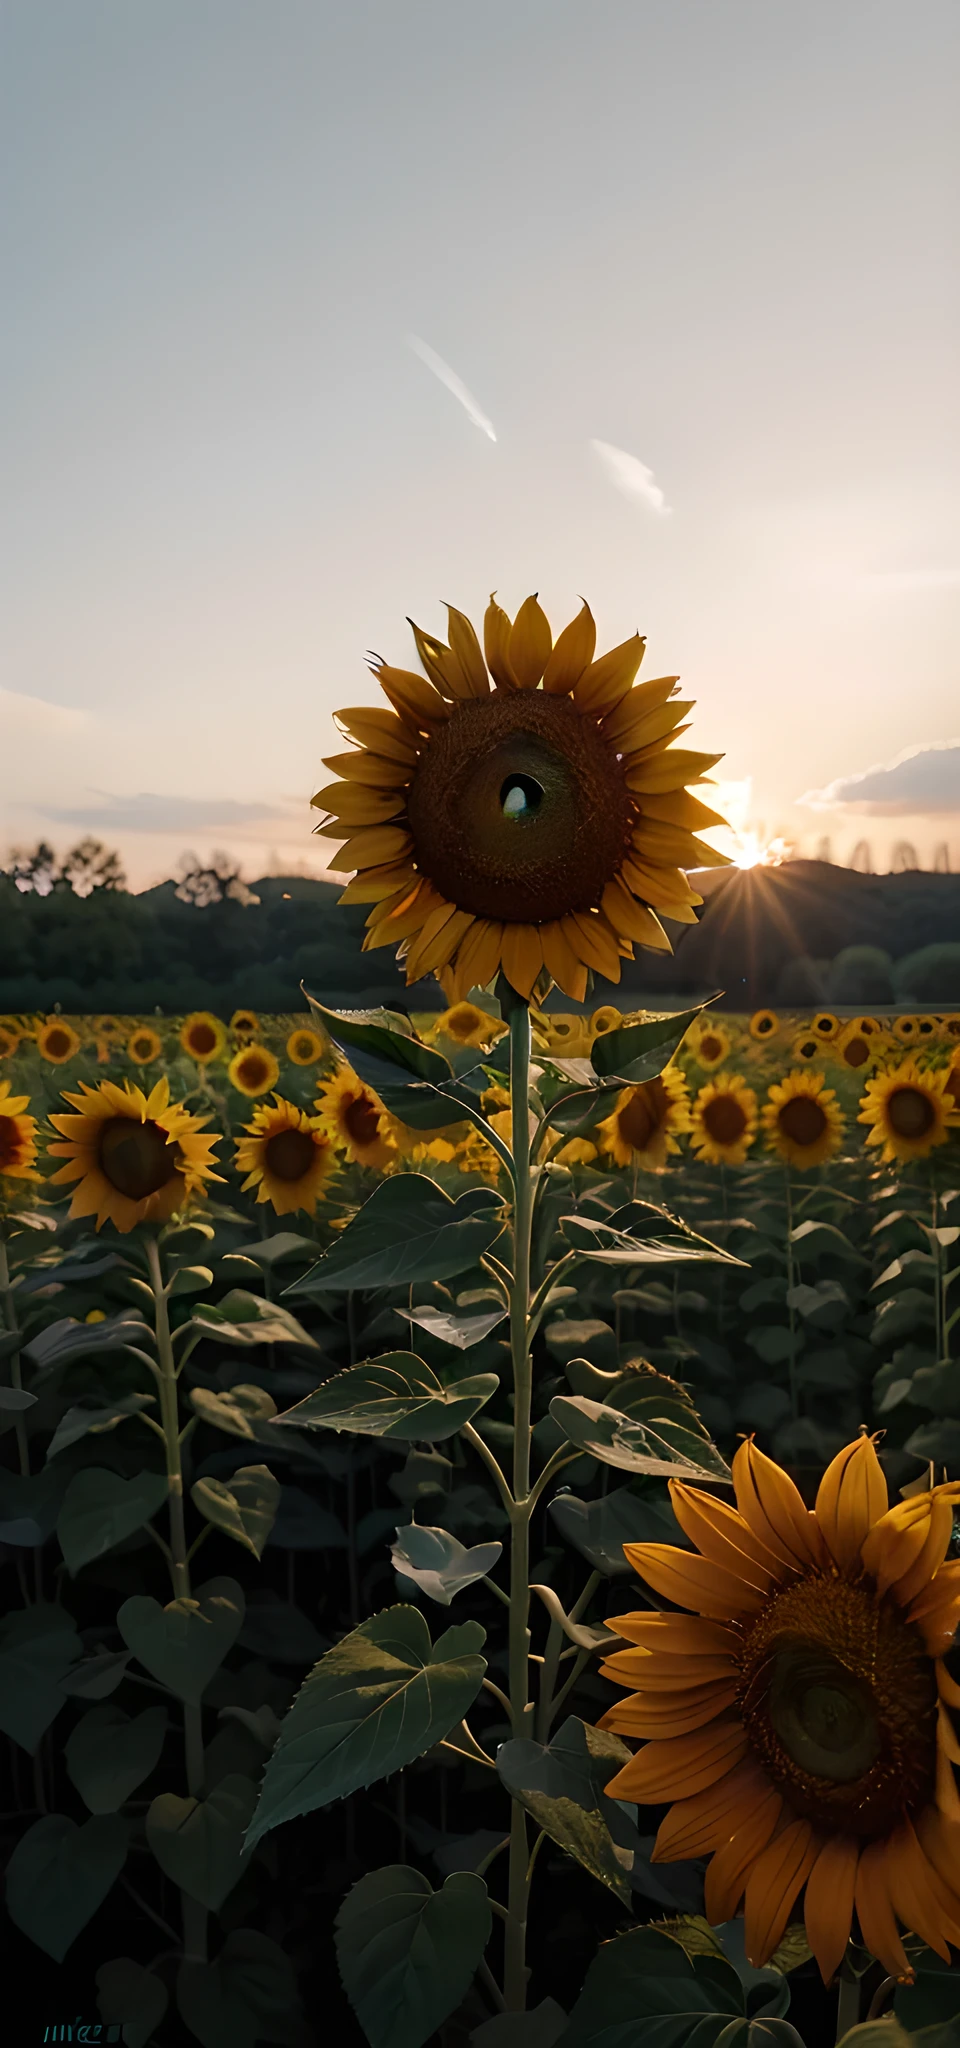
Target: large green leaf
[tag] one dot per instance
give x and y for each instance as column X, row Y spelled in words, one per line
column 393, row 1396
column 30, row 1504
column 642, row 1422
column 242, row 1411
column 644, row 1987
column 407, row 1954
column 248, row 1995
column 439, row 1563
column 245, row 1509
column 592, row 1239
column 108, row 1755
column 381, row 1044
column 37, row 1647
column 408, row 1230
column 600, row 1528
column 374, row 1703
column 639, row 1052
column 101, row 1508
column 70, row 1338
column 60, row 1873
column 198, row 1843
column 242, row 1318
column 81, row 1421
column 561, row 1785
column 131, row 1997
column 184, row 1643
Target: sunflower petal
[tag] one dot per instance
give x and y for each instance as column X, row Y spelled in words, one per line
column 420, row 706
column 695, row 1826
column 909, row 1544
column 574, row 651
column 693, row 1581
column 772, row 1507
column 374, row 771
column 593, row 942
column 381, row 732
column 465, row 645
column 828, row 1904
column 632, row 918
column 649, row 727
column 353, row 803
column 655, row 1716
column 373, row 846
column 918, row 1895
column 851, row 1497
column 678, row 807
column 629, row 714
column 522, row 956
column 678, row 1635
column 607, row 681
column 530, row 643
column 772, row 1886
column 659, row 1672
column 562, row 963
column 441, row 664
column 377, row 883
column 437, row 943
column 635, row 762
column 496, row 644
column 723, row 1535
column 672, row 771
column 730, row 1865
column 875, row 1913
column 478, row 957
column 681, row 1766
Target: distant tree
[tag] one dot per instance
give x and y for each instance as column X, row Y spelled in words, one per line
column 904, row 859
column 931, row 976
column 218, row 882
column 860, row 974
column 801, row 982
column 88, row 866
column 861, row 858
column 941, row 858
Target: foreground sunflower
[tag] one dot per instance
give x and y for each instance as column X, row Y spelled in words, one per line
column 18, row 1136
column 287, row 1157
column 798, row 1717
column 643, row 1127
column 253, row 1070
column 57, row 1042
column 537, row 825
column 724, row 1121
column 138, row 1158
column 355, row 1120
column 802, row 1119
column 910, row 1109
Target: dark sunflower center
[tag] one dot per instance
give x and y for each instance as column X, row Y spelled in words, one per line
column 724, row 1119
column 253, row 1071
column 289, row 1154
column 137, row 1159
column 839, row 1700
column 519, row 808
column 58, row 1043
column 9, row 1143
column 643, row 1114
column 764, row 1027
column 710, row 1047
column 361, row 1120
column 203, row 1039
column 856, row 1052
column 802, row 1120
column 808, row 1048
column 910, row 1113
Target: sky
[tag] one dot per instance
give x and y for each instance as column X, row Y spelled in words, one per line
column 316, row 316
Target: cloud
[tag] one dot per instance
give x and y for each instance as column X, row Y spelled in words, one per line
column 921, row 780
column 883, row 580
column 22, row 716
column 631, row 476
column 177, row 814
column 453, row 383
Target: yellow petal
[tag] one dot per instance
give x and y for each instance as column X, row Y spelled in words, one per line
column 678, row 1635
column 731, row 1864
column 522, row 956
column 396, row 904
column 607, row 681
column 678, row 807
column 562, row 963
column 496, row 643
column 851, row 1497
column 375, row 771
column 441, row 664
column 647, row 1671
column 634, row 919
column 438, row 921
column 478, row 957
column 918, row 1895
column 653, row 726
column 774, row 1881
column 828, row 1903
column 652, row 1716
column 377, row 883
column 636, row 761
column 420, row 706
column 721, row 1534
column 593, row 942
column 665, row 888
column 681, row 1766
column 465, row 645
column 530, row 644
column 633, row 709
column 771, row 1505
column 693, row 1827
column 355, row 804
column 670, row 771
column 372, row 846
column 572, row 654
column 672, row 845
column 381, row 731
column 908, row 1544
column 692, row 1581
column 878, row 1926
column 392, row 930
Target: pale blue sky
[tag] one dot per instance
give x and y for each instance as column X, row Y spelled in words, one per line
column 719, row 235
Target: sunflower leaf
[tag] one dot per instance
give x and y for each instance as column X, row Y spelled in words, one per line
column 639, row 1052
column 600, row 1241
column 376, row 1042
column 397, row 1396
column 438, row 1563
column 658, row 1446
column 598, row 1529
column 407, row 1954
column 407, row 1230
column 70, row 1338
column 561, row 1784
column 645, row 1977
column 242, row 1318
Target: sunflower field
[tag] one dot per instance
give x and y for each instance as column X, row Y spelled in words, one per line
column 254, row 1329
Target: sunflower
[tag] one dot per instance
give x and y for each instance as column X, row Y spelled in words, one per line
column 138, row 1158
column 467, row 1024
column 244, row 1024
column 9, row 1042
column 951, row 1085
column 109, row 1028
column 253, row 1070
column 856, row 1048
column 576, row 1152
column 805, row 1047
column 797, row 1718
column 802, row 1119
column 569, row 1037
column 305, row 1048
column 537, row 825
column 286, row 1155
column 474, row 1155
column 825, row 1025
column 607, row 1018
column 907, row 1029
column 951, row 1025
column 928, row 1027
column 909, row 1111
column 57, row 1042
column 709, row 1043
column 18, row 1136
column 763, row 1024
column 642, row 1128
column 203, row 1036
column 724, row 1122
column 355, row 1120
column 144, row 1046
column 868, row 1025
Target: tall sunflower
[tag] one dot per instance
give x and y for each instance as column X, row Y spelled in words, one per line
column 724, row 1121
column 643, row 1127
column 253, row 1070
column 802, row 1119
column 287, row 1157
column 138, row 1158
column 354, row 1119
column 538, row 825
column 57, row 1042
column 910, row 1109
column 798, row 1717
column 18, row 1136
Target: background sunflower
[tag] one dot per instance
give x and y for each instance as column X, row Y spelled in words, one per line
column 57, row 1042
column 643, row 1128
column 908, row 1111
column 802, row 1119
column 254, row 1070
column 287, row 1157
column 144, row 1046
column 137, row 1158
column 724, row 1121
column 203, row 1036
column 355, row 1120
column 305, row 1048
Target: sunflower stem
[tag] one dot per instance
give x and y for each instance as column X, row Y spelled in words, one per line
column 194, row 1914
column 515, row 1932
column 791, row 1311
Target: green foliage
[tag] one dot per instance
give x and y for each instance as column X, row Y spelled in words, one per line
column 395, row 1396
column 100, row 1509
column 645, row 1981
column 183, row 1644
column 247, row 1995
column 408, row 1230
column 60, row 1873
column 438, row 1563
column 199, row 1843
column 37, row 1647
column 108, row 1755
column 561, row 1785
column 131, row 1997
column 407, row 1953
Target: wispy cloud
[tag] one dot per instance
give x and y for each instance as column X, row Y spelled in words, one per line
column 150, row 813
column 921, row 780
column 883, row 580
column 629, row 475
column 453, row 383
column 21, row 715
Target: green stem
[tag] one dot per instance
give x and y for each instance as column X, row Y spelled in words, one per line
column 11, row 1327
column 194, row 1914
column 794, row 1389
column 938, row 1272
column 848, row 2003
column 515, row 1932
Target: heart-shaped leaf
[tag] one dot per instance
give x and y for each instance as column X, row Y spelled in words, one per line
column 374, row 1703
column 592, row 1239
column 184, row 1643
column 69, row 1338
column 198, row 1843
column 643, row 1985
column 108, row 1755
column 461, row 1331
column 600, row 1528
column 438, row 1563
column 408, row 1954
column 37, row 1647
column 632, row 1446
column 541, row 2027
column 248, row 1996
column 130, row 1997
column 639, row 1052
column 242, row 1318
column 240, row 1412
column 394, row 1396
column 561, row 1785
column 380, row 1044
column 408, row 1230
column 100, row 1508
column 94, row 1677
column 79, row 1422
column 60, row 1873
column 245, row 1509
